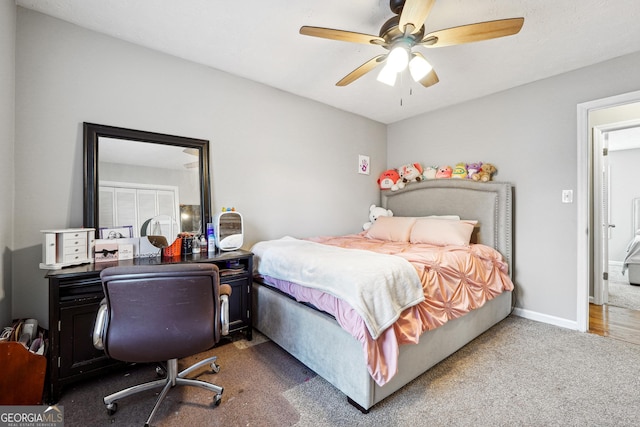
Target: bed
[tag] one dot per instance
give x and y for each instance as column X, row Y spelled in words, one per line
column 317, row 339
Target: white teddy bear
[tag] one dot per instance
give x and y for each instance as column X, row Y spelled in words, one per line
column 374, row 213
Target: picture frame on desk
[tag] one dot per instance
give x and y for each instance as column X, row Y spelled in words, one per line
column 125, row 231
column 125, row 251
column 106, row 251
column 124, row 245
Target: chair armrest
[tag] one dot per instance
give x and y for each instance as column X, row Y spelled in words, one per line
column 100, row 326
column 224, row 314
column 225, row 291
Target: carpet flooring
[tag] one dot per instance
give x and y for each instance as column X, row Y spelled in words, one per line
column 623, row 294
column 519, row 373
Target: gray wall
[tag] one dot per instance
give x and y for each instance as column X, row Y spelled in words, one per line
column 287, row 163
column 530, row 134
column 7, row 126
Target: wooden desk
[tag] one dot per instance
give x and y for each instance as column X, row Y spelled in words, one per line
column 74, row 297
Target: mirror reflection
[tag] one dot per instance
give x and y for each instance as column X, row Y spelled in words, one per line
column 161, row 230
column 141, row 180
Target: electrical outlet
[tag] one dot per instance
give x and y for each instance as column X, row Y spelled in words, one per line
column 567, row 196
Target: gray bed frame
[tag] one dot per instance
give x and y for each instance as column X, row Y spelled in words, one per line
column 316, row 339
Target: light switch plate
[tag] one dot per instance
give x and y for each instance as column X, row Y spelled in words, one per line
column 567, row 196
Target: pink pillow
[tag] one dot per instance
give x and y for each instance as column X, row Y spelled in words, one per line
column 442, row 232
column 391, row 228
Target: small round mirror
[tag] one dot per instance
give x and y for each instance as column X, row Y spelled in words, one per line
column 161, row 230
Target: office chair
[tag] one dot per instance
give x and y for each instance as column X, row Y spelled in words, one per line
column 158, row 313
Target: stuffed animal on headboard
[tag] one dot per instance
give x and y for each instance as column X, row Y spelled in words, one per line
column 430, row 172
column 374, row 213
column 444, row 172
column 460, row 171
column 389, row 180
column 410, row 172
column 486, row 173
column 472, row 169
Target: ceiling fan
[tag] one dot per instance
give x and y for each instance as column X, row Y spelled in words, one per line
column 404, row 31
column 192, row 152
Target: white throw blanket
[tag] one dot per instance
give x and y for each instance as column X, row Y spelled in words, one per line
column 378, row 286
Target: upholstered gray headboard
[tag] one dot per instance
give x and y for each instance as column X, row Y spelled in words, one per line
column 490, row 203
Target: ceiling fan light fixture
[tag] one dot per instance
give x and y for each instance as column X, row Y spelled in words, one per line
column 387, row 75
column 398, row 58
column 419, row 67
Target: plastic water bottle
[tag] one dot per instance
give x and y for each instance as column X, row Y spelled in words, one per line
column 211, row 238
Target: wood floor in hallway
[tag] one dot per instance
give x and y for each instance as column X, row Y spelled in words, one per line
column 615, row 322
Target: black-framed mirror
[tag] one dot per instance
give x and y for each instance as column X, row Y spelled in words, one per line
column 132, row 175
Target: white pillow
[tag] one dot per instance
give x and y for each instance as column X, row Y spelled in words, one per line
column 391, row 228
column 442, row 232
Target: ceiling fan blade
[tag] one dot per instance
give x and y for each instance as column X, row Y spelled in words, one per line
column 191, row 151
column 473, row 32
column 430, row 79
column 415, row 12
column 362, row 70
column 345, row 36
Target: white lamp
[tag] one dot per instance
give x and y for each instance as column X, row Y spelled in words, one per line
column 387, row 75
column 397, row 62
column 419, row 67
column 398, row 58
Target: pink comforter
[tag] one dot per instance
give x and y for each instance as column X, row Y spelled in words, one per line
column 455, row 279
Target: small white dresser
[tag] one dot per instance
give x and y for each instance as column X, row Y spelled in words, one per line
column 70, row 246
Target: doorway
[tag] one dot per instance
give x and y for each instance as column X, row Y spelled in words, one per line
column 616, row 148
column 587, row 256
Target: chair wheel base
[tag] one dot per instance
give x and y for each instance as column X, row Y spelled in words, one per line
column 217, row 399
column 215, row 367
column 112, row 408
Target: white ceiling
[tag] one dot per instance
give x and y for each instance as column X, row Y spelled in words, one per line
column 259, row 40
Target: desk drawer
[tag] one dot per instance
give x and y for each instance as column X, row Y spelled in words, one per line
column 74, row 235
column 75, row 257
column 79, row 249
column 75, row 243
column 81, row 290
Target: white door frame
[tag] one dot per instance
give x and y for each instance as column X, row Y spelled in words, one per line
column 584, row 201
column 600, row 215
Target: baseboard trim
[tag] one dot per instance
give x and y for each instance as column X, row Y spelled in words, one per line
column 545, row 318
